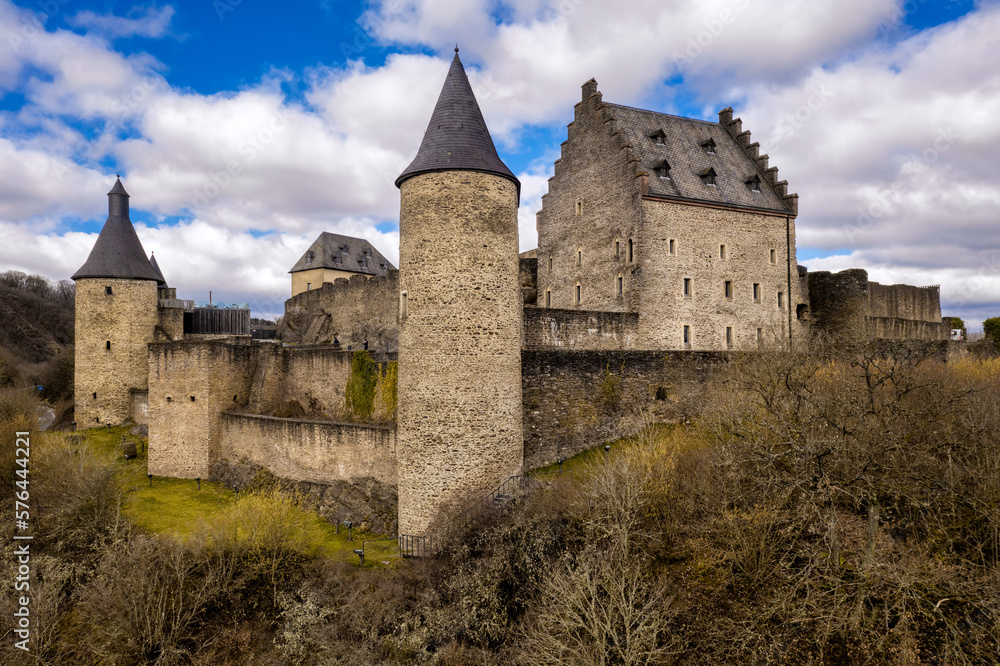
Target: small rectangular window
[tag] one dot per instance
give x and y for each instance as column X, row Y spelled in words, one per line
column 673, row 246
column 760, row 335
column 687, row 286
column 781, row 300
column 95, row 396
column 579, row 207
column 309, row 286
column 192, row 398
column 756, row 292
column 687, row 336
column 774, row 256
column 728, row 289
column 722, row 252
column 729, row 336
column 107, row 290
column 579, row 257
column 630, row 253
column 404, row 305
column 550, row 263
column 577, row 294
column 548, row 299
column 618, row 248
column 107, row 345
column 621, row 284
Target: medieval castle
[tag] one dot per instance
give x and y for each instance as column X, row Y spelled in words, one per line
column 663, row 243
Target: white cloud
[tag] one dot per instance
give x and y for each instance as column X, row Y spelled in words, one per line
column 141, row 22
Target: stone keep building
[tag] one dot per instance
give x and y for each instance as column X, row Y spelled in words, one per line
column 116, row 318
column 459, row 421
column 333, row 256
column 676, row 219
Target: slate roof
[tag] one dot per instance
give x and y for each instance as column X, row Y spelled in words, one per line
column 343, row 253
column 684, row 150
column 117, row 253
column 156, row 267
column 457, row 137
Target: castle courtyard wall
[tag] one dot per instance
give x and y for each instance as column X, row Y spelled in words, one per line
column 551, row 328
column 314, row 451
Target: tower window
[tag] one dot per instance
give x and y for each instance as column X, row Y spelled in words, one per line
column 630, row 250
column 579, row 257
column 618, row 248
column 169, row 399
column 107, row 345
column 756, row 292
column 687, row 286
column 728, row 289
column 774, row 256
column 579, row 207
column 108, row 291
column 781, row 300
column 621, row 285
column 548, row 298
column 760, row 336
column 673, row 246
column 729, row 336
column 687, row 336
column 404, row 305
column 95, row 396
column 192, row 398
column 550, row 263
column 722, row 252
column 578, row 294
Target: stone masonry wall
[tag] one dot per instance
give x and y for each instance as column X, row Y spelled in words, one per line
column 352, row 311
column 139, row 406
column 191, row 383
column 576, row 244
column 903, row 301
column 459, row 414
column 549, row 328
column 838, row 302
column 569, row 405
column 698, row 235
column 112, row 331
column 315, row 451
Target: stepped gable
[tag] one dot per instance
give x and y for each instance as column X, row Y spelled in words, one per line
column 343, row 253
column 690, row 148
column 457, row 138
column 117, row 252
column 162, row 282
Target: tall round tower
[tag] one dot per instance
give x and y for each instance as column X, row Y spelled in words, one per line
column 116, row 316
column 460, row 414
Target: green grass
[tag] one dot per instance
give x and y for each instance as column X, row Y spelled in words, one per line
column 588, row 457
column 177, row 507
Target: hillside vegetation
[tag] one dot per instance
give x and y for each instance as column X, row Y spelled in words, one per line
column 834, row 510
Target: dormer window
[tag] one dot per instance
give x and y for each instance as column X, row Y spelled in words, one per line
column 754, row 183
column 659, row 136
column 709, row 146
column 663, row 170
column 708, row 176
column 309, row 257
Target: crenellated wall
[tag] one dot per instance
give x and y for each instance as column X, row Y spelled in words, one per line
column 351, row 311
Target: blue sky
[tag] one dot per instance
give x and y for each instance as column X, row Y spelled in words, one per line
column 242, row 130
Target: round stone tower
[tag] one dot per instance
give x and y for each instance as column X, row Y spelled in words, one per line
column 460, row 414
column 116, row 315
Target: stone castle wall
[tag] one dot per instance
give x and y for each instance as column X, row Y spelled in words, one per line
column 352, row 311
column 699, row 235
column 112, row 331
column 575, row 400
column 549, row 328
column 314, row 451
column 904, row 301
column 592, row 203
column 459, row 414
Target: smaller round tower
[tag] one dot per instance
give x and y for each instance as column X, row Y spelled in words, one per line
column 116, row 316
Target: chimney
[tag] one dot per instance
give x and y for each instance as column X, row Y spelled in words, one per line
column 726, row 116
column 771, row 175
column 589, row 88
column 761, row 162
column 753, row 150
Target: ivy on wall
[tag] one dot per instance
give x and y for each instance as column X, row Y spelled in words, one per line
column 370, row 394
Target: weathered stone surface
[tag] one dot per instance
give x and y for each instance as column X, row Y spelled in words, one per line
column 459, row 342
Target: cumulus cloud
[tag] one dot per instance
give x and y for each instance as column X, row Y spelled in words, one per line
column 141, row 22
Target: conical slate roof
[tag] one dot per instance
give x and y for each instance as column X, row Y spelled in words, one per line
column 118, row 252
column 457, row 138
column 156, row 267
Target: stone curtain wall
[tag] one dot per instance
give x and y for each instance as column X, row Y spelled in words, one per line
column 593, row 170
column 459, row 343
column 314, row 451
column 549, row 328
column 698, row 233
column 838, row 302
column 575, row 400
column 903, row 301
column 351, row 311
column 126, row 319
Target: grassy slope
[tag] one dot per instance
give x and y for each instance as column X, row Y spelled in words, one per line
column 176, row 506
